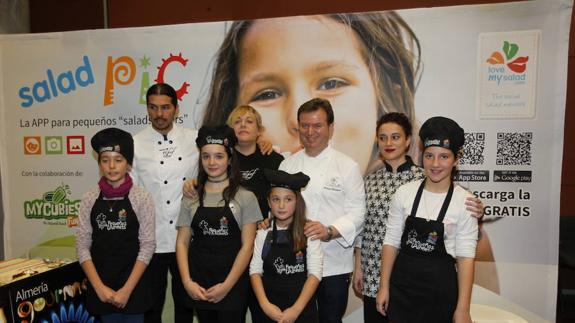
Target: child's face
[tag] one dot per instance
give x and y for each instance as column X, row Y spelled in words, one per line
column 392, row 142
column 246, row 128
column 285, row 62
column 438, row 163
column 113, row 167
column 282, row 202
column 215, row 161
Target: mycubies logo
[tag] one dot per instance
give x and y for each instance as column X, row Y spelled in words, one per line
column 120, row 71
column 54, row 205
column 507, row 67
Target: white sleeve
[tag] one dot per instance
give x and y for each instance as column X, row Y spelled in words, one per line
column 314, row 258
column 350, row 224
column 257, row 263
column 395, row 219
column 466, row 234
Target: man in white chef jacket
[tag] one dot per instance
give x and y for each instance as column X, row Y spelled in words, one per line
column 165, row 155
column 335, row 200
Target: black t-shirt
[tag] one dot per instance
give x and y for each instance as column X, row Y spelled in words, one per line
column 253, row 178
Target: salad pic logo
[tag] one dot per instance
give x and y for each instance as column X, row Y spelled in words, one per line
column 507, row 66
column 54, row 205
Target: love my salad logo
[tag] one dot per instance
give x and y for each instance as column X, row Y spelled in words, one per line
column 54, row 205
column 507, row 66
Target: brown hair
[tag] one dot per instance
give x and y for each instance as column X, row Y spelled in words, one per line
column 298, row 223
column 390, row 49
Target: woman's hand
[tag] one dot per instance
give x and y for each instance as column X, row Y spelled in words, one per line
column 217, row 292
column 289, row 315
column 272, row 311
column 264, row 224
column 475, row 206
column 357, row 282
column 121, row 297
column 265, row 145
column 105, row 294
column 382, row 300
column 189, row 189
column 195, row 291
column 461, row 316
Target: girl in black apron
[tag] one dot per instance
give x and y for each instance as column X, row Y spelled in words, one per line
column 119, row 234
column 286, row 267
column 214, row 244
column 429, row 277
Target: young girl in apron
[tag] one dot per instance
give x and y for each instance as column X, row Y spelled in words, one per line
column 286, row 267
column 116, row 234
column 429, row 247
column 216, row 232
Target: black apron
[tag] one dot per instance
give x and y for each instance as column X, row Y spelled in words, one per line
column 114, row 251
column 285, row 273
column 215, row 244
column 423, row 283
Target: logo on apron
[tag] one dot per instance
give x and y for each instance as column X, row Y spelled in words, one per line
column 221, row 231
column 108, row 225
column 421, row 246
column 286, row 269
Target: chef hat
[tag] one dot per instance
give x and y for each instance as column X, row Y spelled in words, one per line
column 116, row 140
column 442, row 132
column 279, row 178
column 220, row 135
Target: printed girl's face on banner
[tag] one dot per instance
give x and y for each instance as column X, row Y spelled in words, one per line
column 285, row 62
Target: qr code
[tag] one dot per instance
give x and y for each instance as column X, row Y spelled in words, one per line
column 514, row 148
column 472, row 153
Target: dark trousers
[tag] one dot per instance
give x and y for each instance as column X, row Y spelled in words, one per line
column 257, row 314
column 370, row 313
column 122, row 318
column 158, row 270
column 215, row 316
column 332, row 298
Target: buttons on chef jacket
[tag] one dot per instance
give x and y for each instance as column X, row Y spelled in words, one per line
column 161, row 162
column 183, row 179
column 159, row 142
column 179, row 158
column 171, row 221
column 168, row 202
column 171, row 142
column 165, row 182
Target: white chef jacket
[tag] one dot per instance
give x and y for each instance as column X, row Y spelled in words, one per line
column 162, row 165
column 335, row 195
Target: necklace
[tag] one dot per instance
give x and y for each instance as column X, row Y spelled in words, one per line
column 111, row 205
column 427, row 209
column 217, row 181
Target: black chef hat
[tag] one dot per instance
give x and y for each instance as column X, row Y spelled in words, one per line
column 114, row 139
column 220, row 135
column 279, row 178
column 442, row 132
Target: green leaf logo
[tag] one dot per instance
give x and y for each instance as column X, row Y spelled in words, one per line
column 510, row 49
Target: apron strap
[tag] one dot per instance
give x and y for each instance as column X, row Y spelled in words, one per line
column 417, row 199
column 444, row 207
column 446, row 202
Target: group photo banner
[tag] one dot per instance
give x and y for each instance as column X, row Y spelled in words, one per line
column 499, row 70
